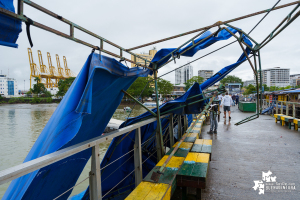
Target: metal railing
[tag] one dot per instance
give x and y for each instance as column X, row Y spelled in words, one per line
column 95, row 173
column 289, row 106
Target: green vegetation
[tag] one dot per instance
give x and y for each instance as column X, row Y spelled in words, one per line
column 39, row 89
column 145, row 89
column 250, row 89
column 231, row 79
column 139, row 86
column 194, row 79
column 64, row 85
column 35, row 100
column 49, row 100
column 164, row 87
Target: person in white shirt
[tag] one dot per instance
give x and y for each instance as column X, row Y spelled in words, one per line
column 227, row 102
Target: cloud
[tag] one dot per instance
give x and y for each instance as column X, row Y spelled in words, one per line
column 132, row 22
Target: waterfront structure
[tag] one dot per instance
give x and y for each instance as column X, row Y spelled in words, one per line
column 294, row 80
column 143, row 55
column 233, row 88
column 182, row 75
column 8, row 86
column 248, row 82
column 276, row 76
column 178, row 90
column 206, row 74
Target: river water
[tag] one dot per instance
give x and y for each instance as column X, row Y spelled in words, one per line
column 20, row 126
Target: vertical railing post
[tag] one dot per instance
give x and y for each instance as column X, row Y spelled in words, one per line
column 95, row 175
column 260, row 77
column 281, row 109
column 159, row 136
column 294, row 110
column 287, row 109
column 138, row 157
column 185, row 123
column 179, row 132
column 171, row 133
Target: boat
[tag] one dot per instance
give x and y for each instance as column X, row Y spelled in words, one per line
column 151, row 104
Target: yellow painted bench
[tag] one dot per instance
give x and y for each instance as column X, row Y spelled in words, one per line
column 277, row 117
column 148, row 190
column 296, row 123
column 183, row 164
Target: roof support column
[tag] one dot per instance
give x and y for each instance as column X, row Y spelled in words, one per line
column 159, row 136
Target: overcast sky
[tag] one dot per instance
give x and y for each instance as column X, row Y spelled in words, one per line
column 133, row 22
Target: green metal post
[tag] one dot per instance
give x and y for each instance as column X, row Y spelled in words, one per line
column 179, row 132
column 159, row 137
column 260, row 75
column 257, row 86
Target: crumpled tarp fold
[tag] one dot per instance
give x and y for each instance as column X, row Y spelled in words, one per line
column 83, row 114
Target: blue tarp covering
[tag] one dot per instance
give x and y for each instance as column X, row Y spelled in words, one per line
column 83, row 114
column 222, row 35
column 291, row 91
column 116, row 150
column 9, row 27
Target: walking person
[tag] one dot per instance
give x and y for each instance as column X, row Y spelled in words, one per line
column 227, row 102
column 237, row 99
column 233, row 100
column 213, row 118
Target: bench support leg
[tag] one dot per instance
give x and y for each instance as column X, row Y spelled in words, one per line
column 184, row 193
column 198, row 193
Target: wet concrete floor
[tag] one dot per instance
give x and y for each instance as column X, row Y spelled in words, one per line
column 241, row 153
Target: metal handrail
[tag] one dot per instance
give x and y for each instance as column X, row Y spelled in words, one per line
column 30, row 166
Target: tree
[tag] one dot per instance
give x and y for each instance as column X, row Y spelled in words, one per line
column 231, row 79
column 140, row 87
column 288, row 87
column 250, row 89
column 64, row 85
column 194, row 79
column 274, row 88
column 164, row 87
column 38, row 87
column 266, row 88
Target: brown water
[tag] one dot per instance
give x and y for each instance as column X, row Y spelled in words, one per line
column 20, row 126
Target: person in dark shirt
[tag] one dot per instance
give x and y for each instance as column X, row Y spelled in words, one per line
column 237, row 99
column 213, row 118
column 233, row 99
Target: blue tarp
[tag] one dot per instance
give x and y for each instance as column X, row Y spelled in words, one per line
column 116, row 150
column 291, row 91
column 9, row 27
column 222, row 35
column 83, row 114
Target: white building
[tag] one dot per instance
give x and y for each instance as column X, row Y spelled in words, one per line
column 53, row 91
column 182, row 75
column 294, row 79
column 252, row 82
column 206, row 74
column 8, row 86
column 279, row 77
